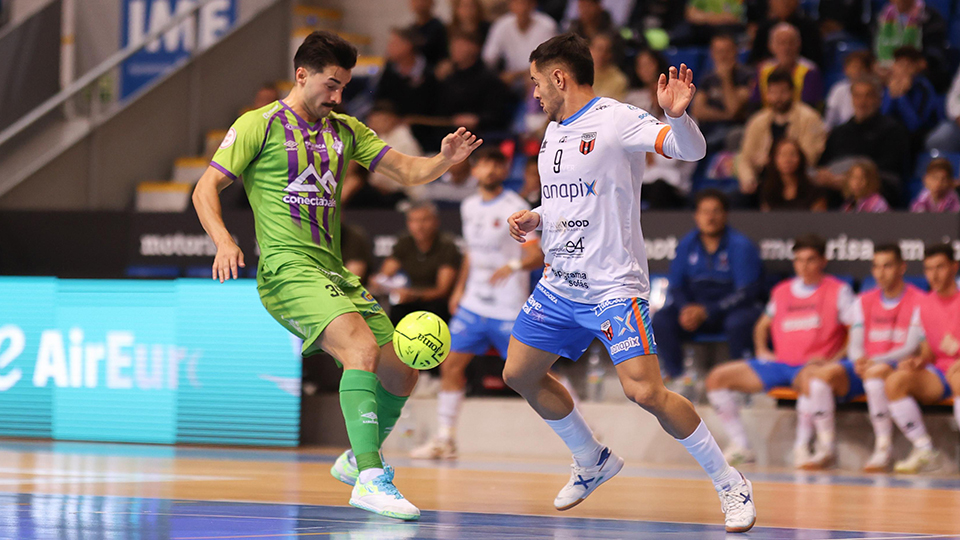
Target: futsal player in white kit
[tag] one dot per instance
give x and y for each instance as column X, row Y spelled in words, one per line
column 596, row 283
column 493, row 284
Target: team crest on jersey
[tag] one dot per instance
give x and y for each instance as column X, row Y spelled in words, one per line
column 563, row 139
column 338, row 147
column 587, row 142
column 543, row 147
column 607, row 329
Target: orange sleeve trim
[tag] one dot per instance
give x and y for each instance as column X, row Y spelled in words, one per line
column 662, row 136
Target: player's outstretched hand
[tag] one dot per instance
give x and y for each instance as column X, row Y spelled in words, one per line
column 458, row 145
column 675, row 92
column 229, row 258
column 521, row 223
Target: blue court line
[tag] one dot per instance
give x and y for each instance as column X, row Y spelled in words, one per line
column 43, row 517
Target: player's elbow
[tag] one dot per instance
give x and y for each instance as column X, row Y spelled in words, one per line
column 695, row 151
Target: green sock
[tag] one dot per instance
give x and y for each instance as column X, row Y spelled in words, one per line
column 388, row 407
column 358, row 401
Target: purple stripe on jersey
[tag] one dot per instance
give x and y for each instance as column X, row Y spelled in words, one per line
column 292, row 171
column 267, row 133
column 311, row 147
column 324, row 167
column 315, row 126
column 376, row 160
column 353, row 136
column 223, row 169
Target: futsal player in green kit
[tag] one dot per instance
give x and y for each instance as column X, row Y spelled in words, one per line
column 292, row 155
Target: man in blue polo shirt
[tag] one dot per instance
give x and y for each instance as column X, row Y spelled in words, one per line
column 715, row 286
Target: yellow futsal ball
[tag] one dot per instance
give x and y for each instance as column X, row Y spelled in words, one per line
column 421, row 340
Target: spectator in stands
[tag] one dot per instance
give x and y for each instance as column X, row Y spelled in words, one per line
column 882, row 325
column 783, row 116
column 608, row 80
column 946, row 137
column 843, row 20
column 785, row 48
column 668, row 15
column 379, row 191
column 839, row 101
column 909, row 96
column 432, row 31
column 356, row 250
column 513, row 36
column 803, row 321
column 469, row 18
column 881, row 139
column 407, row 81
column 721, row 102
column 933, row 374
column 428, row 258
column 862, row 189
column 787, row 11
column 648, row 65
column 266, row 95
column 530, row 191
column 592, row 20
column 786, row 185
column 468, row 95
column 715, row 286
column 939, row 193
column 452, row 188
column 913, row 23
column 706, row 18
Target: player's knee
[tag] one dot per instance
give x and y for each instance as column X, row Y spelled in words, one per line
column 880, row 371
column 717, row 378
column 896, row 385
column 363, row 356
column 516, row 378
column 649, row 395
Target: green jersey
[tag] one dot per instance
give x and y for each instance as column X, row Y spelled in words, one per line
column 292, row 172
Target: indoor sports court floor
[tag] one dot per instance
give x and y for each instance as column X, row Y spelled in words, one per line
column 66, row 491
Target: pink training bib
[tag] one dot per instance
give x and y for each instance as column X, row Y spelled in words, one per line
column 806, row 328
column 886, row 329
column 941, row 324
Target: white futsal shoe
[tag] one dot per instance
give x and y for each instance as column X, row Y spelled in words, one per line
column 879, row 461
column 736, row 455
column 919, row 460
column 381, row 497
column 436, row 449
column 739, row 512
column 583, row 480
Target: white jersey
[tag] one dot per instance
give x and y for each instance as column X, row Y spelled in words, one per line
column 591, row 169
column 490, row 247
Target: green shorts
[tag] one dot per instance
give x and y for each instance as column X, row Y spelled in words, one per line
column 305, row 298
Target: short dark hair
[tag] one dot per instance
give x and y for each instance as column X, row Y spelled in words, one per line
column 570, row 50
column 491, row 153
column 810, row 241
column 780, row 76
column 932, row 250
column 714, row 194
column 865, row 57
column 321, row 49
column 889, row 248
column 472, row 37
column 908, row 53
column 384, row 107
column 940, row 164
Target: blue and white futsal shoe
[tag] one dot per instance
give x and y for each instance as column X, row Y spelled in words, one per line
column 345, row 468
column 583, row 480
column 740, row 514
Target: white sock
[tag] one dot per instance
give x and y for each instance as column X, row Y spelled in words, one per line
column 578, row 437
column 804, row 423
column 906, row 413
column 703, row 447
column 367, row 475
column 824, row 409
column 956, row 410
column 724, row 402
column 879, row 412
column 448, row 411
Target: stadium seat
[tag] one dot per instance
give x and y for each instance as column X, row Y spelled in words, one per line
column 955, row 33
column 187, row 170
column 944, row 7
column 162, row 197
column 783, row 393
column 691, row 56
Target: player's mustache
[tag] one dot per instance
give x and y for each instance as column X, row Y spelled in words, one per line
column 329, row 105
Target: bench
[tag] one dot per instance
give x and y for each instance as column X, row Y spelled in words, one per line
column 784, row 394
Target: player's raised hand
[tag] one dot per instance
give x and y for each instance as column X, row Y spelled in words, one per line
column 228, row 259
column 458, row 145
column 675, row 91
column 521, row 223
